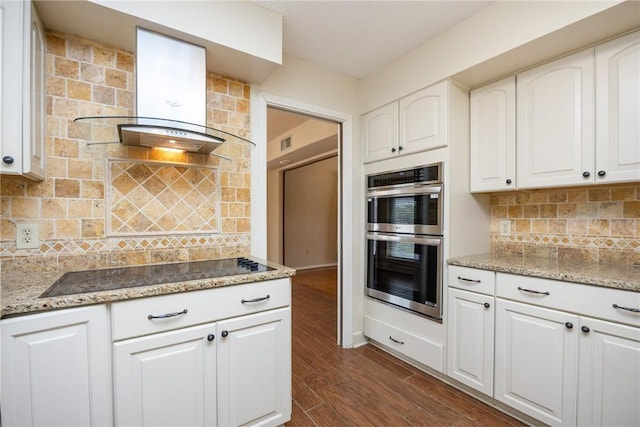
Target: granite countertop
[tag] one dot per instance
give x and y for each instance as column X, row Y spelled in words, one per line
column 20, row 292
column 598, row 274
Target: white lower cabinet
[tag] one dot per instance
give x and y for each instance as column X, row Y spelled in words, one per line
column 536, row 361
column 609, row 375
column 470, row 354
column 56, row 369
column 254, row 363
column 233, row 367
column 166, row 379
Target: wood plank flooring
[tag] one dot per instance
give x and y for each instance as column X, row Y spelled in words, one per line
column 364, row 386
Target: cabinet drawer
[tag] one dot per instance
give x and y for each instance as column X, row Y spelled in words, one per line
column 595, row 301
column 131, row 318
column 419, row 349
column 472, row 279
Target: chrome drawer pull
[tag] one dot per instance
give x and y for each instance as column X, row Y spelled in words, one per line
column 464, row 279
column 633, row 310
column 531, row 291
column 395, row 340
column 244, row 301
column 164, row 316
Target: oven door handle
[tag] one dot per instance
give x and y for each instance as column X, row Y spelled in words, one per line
column 422, row 189
column 405, row 238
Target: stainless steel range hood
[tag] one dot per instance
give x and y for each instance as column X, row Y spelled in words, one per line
column 171, row 102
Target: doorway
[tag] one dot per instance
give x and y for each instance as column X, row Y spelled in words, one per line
column 303, row 187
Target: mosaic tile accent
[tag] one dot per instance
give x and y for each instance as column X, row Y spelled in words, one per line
column 151, row 198
column 595, row 224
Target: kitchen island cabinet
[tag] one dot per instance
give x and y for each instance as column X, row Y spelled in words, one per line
column 234, row 369
column 56, row 368
column 213, row 351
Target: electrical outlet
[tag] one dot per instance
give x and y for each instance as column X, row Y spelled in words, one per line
column 27, row 236
column 505, row 227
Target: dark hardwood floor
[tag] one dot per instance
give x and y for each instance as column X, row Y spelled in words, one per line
column 364, row 386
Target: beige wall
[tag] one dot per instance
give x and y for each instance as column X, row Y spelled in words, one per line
column 310, row 214
column 71, row 206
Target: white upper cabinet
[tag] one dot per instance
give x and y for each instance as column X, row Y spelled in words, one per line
column 423, row 120
column 380, row 133
column 618, row 110
column 415, row 123
column 22, row 90
column 493, row 137
column 555, row 123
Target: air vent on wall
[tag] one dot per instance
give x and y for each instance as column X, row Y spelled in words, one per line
column 285, row 144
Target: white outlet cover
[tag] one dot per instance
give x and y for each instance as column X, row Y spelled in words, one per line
column 27, row 236
column 505, row 227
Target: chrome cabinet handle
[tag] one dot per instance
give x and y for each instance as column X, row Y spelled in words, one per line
column 164, row 316
column 631, row 309
column 395, row 340
column 531, row 291
column 245, row 301
column 464, row 279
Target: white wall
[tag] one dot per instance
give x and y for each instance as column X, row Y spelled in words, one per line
column 500, row 27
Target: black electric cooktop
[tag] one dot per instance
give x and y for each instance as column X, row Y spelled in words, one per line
column 79, row 282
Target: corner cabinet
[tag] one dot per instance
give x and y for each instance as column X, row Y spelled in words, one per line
column 204, row 358
column 415, row 123
column 493, row 137
column 555, row 122
column 56, row 368
column 22, row 91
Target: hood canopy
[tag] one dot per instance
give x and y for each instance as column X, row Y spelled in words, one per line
column 171, row 101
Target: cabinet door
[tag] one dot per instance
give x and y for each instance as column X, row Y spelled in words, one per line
column 33, row 108
column 423, row 120
column 166, row 379
column 493, row 137
column 380, row 133
column 555, row 123
column 536, row 361
column 470, row 355
column 22, row 93
column 56, row 368
column 618, row 109
column 609, row 381
column 254, row 369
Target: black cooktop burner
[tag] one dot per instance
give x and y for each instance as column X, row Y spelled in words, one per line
column 78, row 282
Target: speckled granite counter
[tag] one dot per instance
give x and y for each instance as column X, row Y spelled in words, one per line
column 20, row 293
column 597, row 274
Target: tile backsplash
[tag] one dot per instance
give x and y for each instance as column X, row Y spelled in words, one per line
column 595, row 223
column 113, row 205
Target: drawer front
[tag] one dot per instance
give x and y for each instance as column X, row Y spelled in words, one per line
column 419, row 349
column 595, row 301
column 180, row 310
column 472, row 279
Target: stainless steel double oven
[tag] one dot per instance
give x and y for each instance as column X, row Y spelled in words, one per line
column 404, row 238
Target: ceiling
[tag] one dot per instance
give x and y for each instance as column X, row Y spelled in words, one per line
column 358, row 37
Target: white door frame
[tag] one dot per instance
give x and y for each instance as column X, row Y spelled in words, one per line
column 259, row 103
